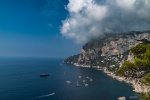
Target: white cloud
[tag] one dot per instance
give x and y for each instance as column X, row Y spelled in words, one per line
column 89, row 18
column 76, row 5
column 126, row 4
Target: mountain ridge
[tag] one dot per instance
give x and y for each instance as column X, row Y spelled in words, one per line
column 108, row 47
column 110, row 52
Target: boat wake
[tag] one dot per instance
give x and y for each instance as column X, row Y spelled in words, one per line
column 51, row 94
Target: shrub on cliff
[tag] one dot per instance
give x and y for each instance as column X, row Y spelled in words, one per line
column 126, row 67
column 146, row 79
column 141, row 63
column 145, row 96
column 139, row 50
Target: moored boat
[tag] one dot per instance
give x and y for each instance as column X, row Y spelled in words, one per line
column 84, row 81
column 86, row 85
column 78, row 84
column 68, row 82
column 79, row 76
column 91, row 79
column 44, row 75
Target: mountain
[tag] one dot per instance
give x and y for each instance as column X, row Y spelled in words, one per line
column 123, row 56
column 108, row 50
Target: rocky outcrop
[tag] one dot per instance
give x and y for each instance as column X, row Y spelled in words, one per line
column 72, row 59
column 138, row 87
column 130, row 57
column 121, row 98
column 108, row 50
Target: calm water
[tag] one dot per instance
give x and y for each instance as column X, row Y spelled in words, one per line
column 20, row 80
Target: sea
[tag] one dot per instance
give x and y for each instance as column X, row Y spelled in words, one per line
column 20, row 80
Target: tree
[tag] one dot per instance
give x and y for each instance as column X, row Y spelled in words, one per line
column 145, row 96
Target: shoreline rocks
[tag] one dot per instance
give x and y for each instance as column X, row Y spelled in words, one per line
column 138, row 87
column 121, row 98
column 110, row 51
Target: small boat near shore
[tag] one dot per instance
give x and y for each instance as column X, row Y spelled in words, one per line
column 68, row 82
column 44, row 75
column 91, row 79
column 78, row 84
column 79, row 76
column 87, row 76
column 86, row 85
column 84, row 81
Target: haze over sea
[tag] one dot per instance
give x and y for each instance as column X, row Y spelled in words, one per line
column 20, row 80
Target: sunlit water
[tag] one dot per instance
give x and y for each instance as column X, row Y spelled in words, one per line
column 20, row 80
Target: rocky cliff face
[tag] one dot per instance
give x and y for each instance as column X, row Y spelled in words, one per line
column 108, row 50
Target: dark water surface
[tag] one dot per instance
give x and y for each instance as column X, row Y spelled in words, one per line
column 20, row 80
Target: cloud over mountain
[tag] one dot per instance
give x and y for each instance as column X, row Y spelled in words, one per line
column 88, row 19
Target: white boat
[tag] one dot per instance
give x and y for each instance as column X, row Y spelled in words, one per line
column 84, row 81
column 91, row 79
column 68, row 82
column 86, row 84
column 87, row 76
column 78, row 84
column 79, row 77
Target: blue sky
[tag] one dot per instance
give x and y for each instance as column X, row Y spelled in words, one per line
column 31, row 28
column 50, row 28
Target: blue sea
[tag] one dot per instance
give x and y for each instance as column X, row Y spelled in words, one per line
column 20, row 80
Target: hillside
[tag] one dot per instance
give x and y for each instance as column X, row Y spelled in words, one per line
column 108, row 50
column 119, row 56
column 140, row 66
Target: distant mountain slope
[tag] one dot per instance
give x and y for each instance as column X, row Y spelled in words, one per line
column 114, row 53
column 108, row 50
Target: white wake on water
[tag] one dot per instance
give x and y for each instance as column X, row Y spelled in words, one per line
column 46, row 95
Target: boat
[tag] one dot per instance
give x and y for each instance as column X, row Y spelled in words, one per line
column 68, row 82
column 86, row 84
column 91, row 79
column 44, row 75
column 87, row 76
column 78, row 84
column 79, row 77
column 84, row 81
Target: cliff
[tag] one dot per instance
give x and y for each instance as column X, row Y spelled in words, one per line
column 112, row 51
column 108, row 50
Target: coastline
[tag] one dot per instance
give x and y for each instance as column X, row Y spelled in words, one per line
column 138, row 87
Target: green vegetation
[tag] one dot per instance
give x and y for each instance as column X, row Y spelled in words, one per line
column 139, row 50
column 145, row 96
column 146, row 79
column 140, row 68
column 127, row 69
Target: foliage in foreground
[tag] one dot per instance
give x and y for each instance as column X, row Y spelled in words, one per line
column 140, row 68
column 145, row 96
column 146, row 80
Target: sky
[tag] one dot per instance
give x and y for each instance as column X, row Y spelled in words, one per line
column 59, row 28
column 97, row 17
column 31, row 28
